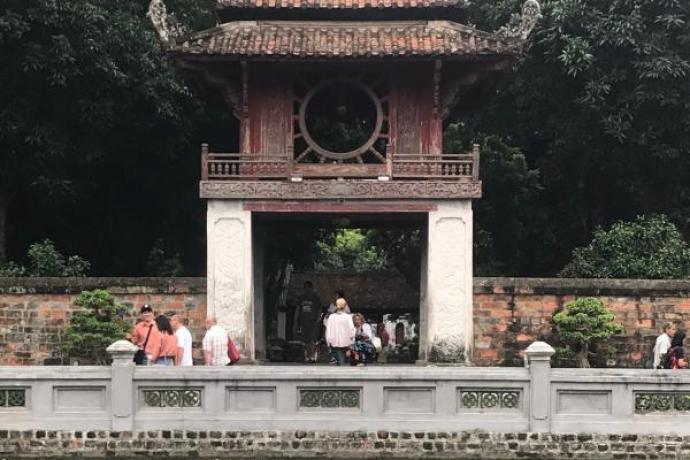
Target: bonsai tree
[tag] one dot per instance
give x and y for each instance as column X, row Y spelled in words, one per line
column 99, row 324
column 582, row 325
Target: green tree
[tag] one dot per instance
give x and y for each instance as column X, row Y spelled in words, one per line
column 92, row 330
column 582, row 325
column 348, row 249
column 598, row 103
column 510, row 228
column 649, row 247
column 96, row 129
column 46, row 260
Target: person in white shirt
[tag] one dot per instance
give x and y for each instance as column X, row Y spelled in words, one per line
column 215, row 344
column 184, row 340
column 340, row 332
column 663, row 343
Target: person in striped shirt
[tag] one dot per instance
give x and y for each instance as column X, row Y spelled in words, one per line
column 215, row 344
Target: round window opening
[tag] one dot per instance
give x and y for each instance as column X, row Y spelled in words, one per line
column 342, row 119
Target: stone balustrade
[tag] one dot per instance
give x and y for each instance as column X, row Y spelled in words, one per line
column 536, row 398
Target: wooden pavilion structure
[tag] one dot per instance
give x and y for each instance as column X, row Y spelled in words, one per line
column 341, row 107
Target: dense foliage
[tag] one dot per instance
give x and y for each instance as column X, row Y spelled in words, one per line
column 649, row 247
column 348, row 249
column 584, row 324
column 92, row 330
column 97, row 132
column 600, row 105
column 46, row 260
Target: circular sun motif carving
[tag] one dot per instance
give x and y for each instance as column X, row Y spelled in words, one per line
column 342, row 120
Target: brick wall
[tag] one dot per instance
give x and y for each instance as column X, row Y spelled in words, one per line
column 34, row 311
column 509, row 313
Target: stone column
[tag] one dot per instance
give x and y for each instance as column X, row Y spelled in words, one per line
column 122, row 385
column 448, row 293
column 539, row 359
column 229, row 275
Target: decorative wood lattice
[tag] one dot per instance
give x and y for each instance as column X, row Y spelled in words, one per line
column 172, row 398
column 310, row 147
column 329, row 399
column 12, row 398
column 489, row 399
column 662, row 402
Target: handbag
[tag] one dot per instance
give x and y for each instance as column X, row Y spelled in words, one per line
column 233, row 353
column 140, row 355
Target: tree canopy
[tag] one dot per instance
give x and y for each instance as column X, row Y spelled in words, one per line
column 599, row 104
column 97, row 132
column 649, row 247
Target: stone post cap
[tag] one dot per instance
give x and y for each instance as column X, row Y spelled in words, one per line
column 122, row 349
column 539, row 351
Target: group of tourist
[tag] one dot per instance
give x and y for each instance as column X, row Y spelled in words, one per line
column 164, row 341
column 668, row 349
column 350, row 338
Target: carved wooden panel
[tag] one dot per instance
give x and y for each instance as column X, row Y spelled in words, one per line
column 341, row 190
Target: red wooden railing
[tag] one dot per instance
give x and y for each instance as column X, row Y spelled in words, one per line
column 233, row 166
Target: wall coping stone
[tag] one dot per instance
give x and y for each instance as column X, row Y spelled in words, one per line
column 482, row 285
column 583, row 287
column 116, row 285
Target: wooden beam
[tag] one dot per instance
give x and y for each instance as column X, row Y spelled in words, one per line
column 338, row 207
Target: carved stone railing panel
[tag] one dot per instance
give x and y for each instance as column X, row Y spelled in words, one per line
column 646, row 402
column 12, row 398
column 172, row 397
column 489, row 399
column 333, row 398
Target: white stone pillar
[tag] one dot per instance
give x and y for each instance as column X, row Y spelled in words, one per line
column 230, row 273
column 122, row 386
column 449, row 319
column 539, row 357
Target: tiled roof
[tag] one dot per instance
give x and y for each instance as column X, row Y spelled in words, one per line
column 345, row 4
column 341, row 40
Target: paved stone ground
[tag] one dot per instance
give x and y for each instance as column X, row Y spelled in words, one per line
column 475, row 445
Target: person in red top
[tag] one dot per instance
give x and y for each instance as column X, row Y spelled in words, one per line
column 169, row 354
column 147, row 336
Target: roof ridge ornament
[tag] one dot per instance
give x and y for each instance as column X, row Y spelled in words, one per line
column 169, row 30
column 521, row 25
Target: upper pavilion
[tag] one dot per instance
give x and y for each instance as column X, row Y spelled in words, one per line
column 356, row 90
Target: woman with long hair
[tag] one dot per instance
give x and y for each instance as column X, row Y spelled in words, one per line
column 170, row 354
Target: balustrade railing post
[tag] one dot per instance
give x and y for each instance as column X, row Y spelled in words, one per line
column 539, row 359
column 204, row 161
column 389, row 161
column 122, row 385
column 290, row 160
column 475, row 162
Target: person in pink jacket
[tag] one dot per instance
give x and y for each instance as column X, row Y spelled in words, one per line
column 340, row 332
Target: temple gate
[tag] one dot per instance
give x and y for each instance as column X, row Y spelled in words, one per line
column 341, row 106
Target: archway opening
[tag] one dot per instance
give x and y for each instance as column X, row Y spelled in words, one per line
column 308, row 260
